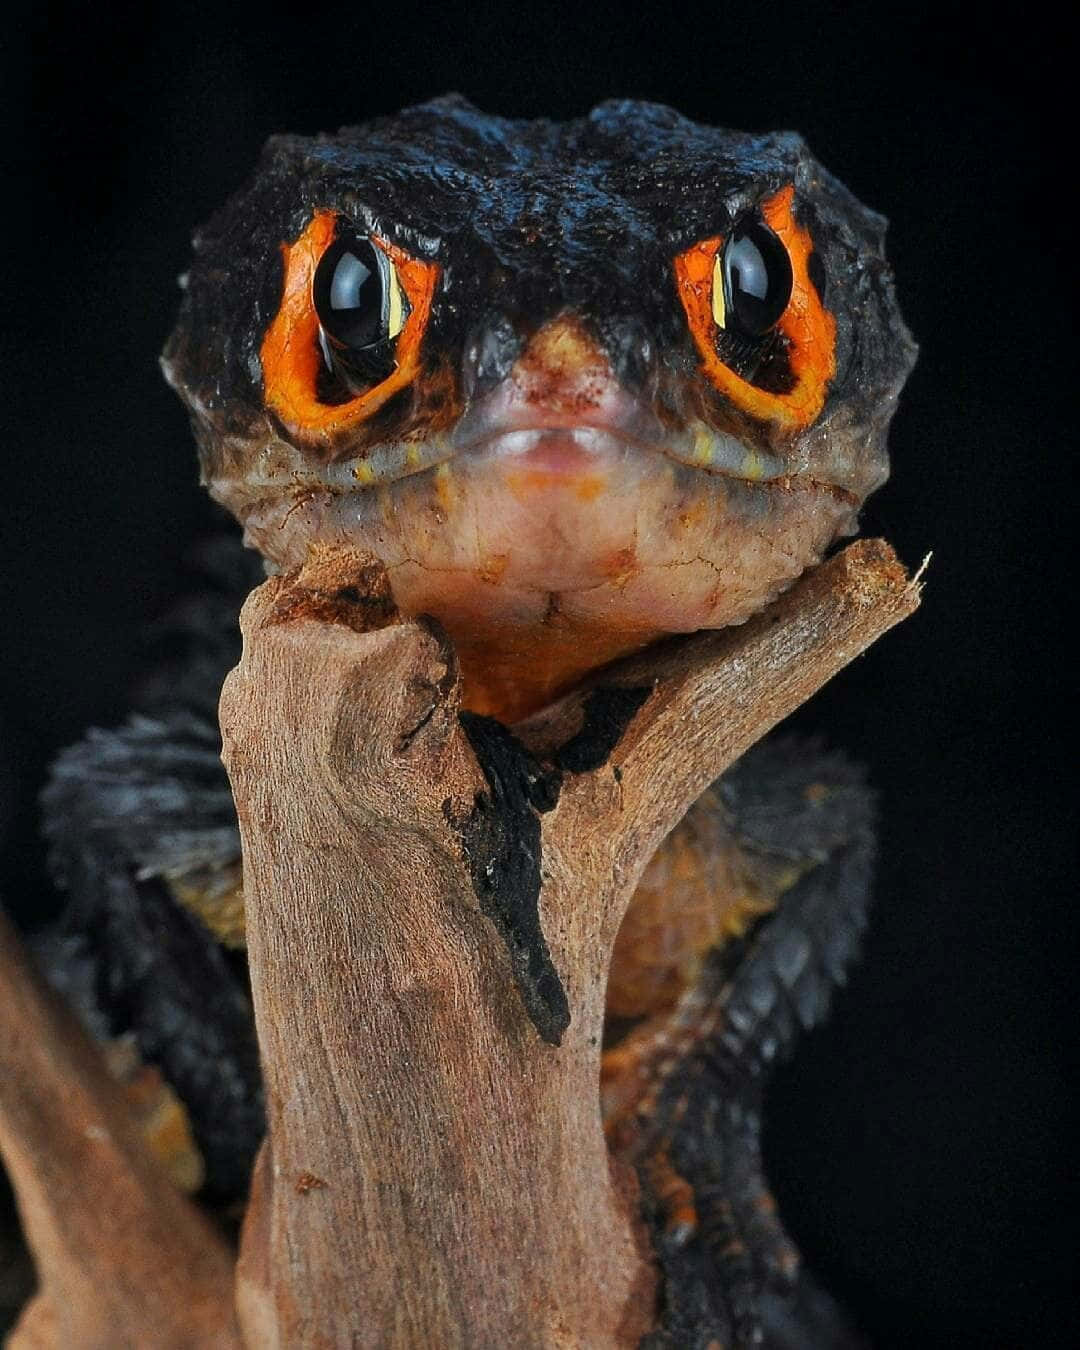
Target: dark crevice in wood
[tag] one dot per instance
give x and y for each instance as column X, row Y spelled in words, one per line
column 501, row 840
column 606, row 711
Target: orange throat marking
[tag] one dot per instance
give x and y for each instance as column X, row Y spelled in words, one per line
column 509, row 671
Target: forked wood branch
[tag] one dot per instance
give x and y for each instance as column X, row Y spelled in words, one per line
column 435, row 1171
column 431, row 908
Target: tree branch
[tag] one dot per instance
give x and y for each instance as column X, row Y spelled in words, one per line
column 431, row 909
column 123, row 1259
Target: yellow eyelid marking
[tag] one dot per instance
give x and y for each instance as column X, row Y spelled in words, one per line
column 395, row 319
column 719, row 310
column 807, row 326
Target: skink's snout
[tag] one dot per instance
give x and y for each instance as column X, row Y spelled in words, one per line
column 562, row 376
column 551, row 366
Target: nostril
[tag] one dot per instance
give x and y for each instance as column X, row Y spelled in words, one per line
column 490, row 352
column 633, row 354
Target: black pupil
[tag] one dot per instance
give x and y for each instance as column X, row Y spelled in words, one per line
column 351, row 293
column 757, row 278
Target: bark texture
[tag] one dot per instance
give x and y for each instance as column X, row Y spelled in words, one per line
column 432, row 905
column 123, row 1258
column 432, row 901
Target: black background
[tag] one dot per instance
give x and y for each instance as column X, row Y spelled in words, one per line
column 918, row 1143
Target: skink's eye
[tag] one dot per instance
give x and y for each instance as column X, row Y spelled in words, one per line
column 361, row 307
column 754, row 306
column 347, row 334
column 752, row 280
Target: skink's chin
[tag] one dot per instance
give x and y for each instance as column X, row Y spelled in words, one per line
column 578, row 531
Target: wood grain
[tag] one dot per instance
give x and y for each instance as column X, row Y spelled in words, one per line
column 432, row 903
column 435, row 1171
column 123, row 1259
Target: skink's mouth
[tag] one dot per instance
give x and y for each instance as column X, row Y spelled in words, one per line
column 569, row 449
column 562, row 451
column 604, row 424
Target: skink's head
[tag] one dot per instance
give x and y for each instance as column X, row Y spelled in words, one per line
column 576, row 385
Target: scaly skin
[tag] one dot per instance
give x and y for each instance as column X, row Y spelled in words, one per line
column 572, row 452
column 559, row 467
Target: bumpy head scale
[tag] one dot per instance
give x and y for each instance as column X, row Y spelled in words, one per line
column 575, row 384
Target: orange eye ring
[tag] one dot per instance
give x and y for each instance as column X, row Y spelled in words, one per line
column 290, row 355
column 806, row 323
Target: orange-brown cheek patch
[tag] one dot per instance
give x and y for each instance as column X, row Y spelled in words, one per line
column 445, row 488
column 290, row 355
column 806, row 324
column 493, row 568
column 526, row 483
column 590, row 487
column 620, row 565
column 692, row 517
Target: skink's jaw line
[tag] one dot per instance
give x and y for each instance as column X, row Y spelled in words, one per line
column 596, row 420
column 701, row 448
